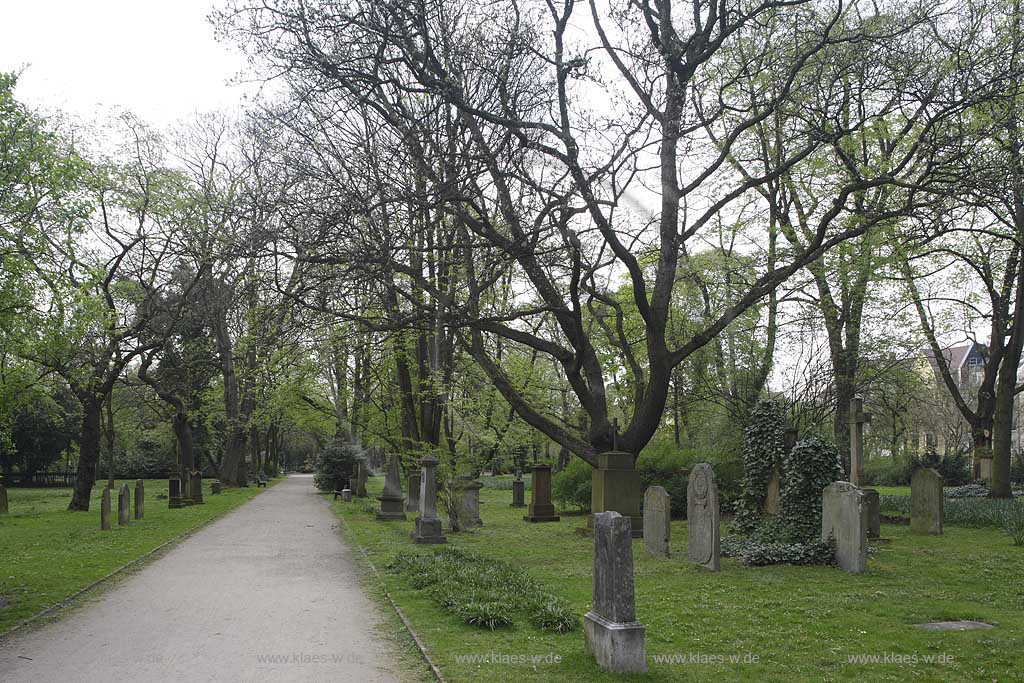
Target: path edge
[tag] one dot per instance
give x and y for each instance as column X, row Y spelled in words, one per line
column 438, row 676
column 66, row 602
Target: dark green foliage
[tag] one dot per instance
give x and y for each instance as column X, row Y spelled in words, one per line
column 483, row 592
column 571, row 488
column 1013, row 522
column 336, row 465
column 897, row 470
column 757, row 553
column 953, row 466
column 812, row 465
column 763, row 448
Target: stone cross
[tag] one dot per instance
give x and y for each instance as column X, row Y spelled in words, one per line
column 140, row 499
column 392, row 502
column 413, row 503
column 174, row 493
column 858, row 418
column 703, row 518
column 124, row 504
column 844, row 517
column 657, row 515
column 105, row 510
column 611, row 632
column 926, row 501
column 541, row 509
column 428, row 524
column 3, row 500
column 197, row 487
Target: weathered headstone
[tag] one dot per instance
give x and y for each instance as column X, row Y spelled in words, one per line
column 174, row 493
column 105, row 509
column 197, row 487
column 428, row 524
column 140, row 499
column 541, row 509
column 703, row 518
column 413, row 503
column 361, row 474
column 469, row 510
column 611, row 632
column 615, row 485
column 926, row 501
column 773, row 496
column 844, row 517
column 186, row 488
column 874, row 503
column 215, row 488
column 124, row 504
column 858, row 418
column 392, row 502
column 518, row 491
column 657, row 517
column 3, row 500
column 346, row 495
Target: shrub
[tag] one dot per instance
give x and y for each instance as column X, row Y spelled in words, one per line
column 571, row 487
column 1013, row 522
column 756, row 553
column 809, row 467
column 336, row 465
column 888, row 471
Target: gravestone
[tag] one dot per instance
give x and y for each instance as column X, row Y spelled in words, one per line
column 657, row 515
column 874, row 503
column 105, row 510
column 413, row 504
column 518, row 491
column 215, row 488
column 703, row 544
column 3, row 500
column 858, row 418
column 197, row 488
column 610, row 629
column 392, row 502
column 469, row 510
column 926, row 501
column 428, row 524
column 844, row 517
column 346, row 495
column 773, row 496
column 124, row 504
column 186, row 488
column 174, row 493
column 541, row 509
column 361, row 475
column 615, row 485
column 140, row 499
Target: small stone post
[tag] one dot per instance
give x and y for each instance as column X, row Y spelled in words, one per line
column 140, row 499
column 174, row 493
column 428, row 524
column 197, row 487
column 124, row 504
column 105, row 510
column 611, row 632
column 413, row 503
column 361, row 475
column 216, row 487
column 541, row 509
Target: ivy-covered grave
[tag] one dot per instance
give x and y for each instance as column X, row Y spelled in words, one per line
column 483, row 592
column 794, row 535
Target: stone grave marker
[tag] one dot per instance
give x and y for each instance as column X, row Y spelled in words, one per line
column 413, row 503
column 215, row 488
column 174, row 493
column 844, row 517
column 140, row 499
column 703, row 518
column 346, row 495
column 428, row 524
column 124, row 504
column 926, row 502
column 657, row 515
column 392, row 502
column 541, row 509
column 469, row 509
column 518, row 491
column 3, row 500
column 105, row 510
column 361, row 475
column 612, row 635
column 615, row 485
column 197, row 487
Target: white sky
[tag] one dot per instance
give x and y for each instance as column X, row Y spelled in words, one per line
column 156, row 58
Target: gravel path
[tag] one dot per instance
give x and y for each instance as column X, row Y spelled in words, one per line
column 267, row 593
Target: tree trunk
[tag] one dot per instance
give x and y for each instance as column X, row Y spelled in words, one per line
column 88, row 453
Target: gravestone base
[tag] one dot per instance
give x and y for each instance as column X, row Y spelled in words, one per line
column 619, row 648
column 391, row 507
column 346, row 495
column 541, row 513
column 428, row 531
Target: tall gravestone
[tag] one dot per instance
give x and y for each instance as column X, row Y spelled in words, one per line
column 615, row 485
column 392, row 502
column 926, row 501
column 413, row 504
column 469, row 509
column 844, row 517
column 611, row 632
column 873, row 501
column 124, row 504
column 361, row 475
column 428, row 524
column 197, row 487
column 703, row 518
column 657, row 517
column 105, row 509
column 186, row 487
column 518, row 491
column 140, row 499
column 541, row 508
column 215, row 488
column 3, row 500
column 174, row 493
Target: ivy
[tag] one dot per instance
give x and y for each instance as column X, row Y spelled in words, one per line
column 810, row 466
column 763, row 448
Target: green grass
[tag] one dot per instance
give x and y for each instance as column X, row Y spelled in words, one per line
column 48, row 554
column 802, row 623
column 892, row 490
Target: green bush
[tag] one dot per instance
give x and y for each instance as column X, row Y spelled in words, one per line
column 1013, row 522
column 336, row 465
column 764, row 443
column 571, row 487
column 888, row 471
column 809, row 467
column 757, row 553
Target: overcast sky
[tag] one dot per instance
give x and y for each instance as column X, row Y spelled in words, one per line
column 157, row 58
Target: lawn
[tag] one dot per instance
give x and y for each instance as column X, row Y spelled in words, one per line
column 47, row 553
column 781, row 623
